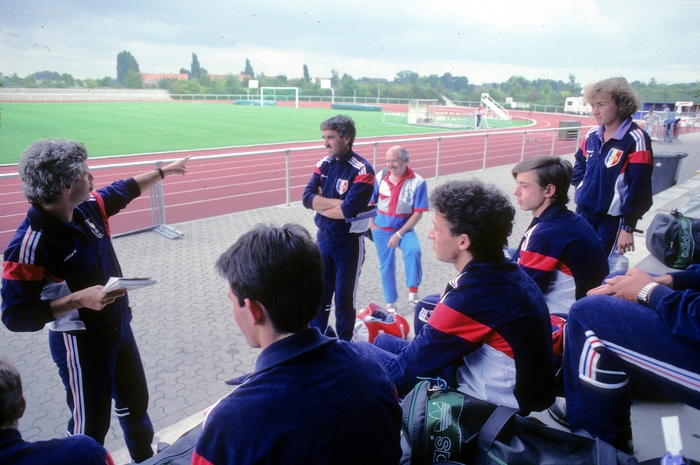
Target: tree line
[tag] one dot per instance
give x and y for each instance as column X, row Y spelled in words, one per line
column 406, row 84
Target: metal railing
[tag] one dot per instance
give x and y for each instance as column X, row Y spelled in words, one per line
column 157, row 201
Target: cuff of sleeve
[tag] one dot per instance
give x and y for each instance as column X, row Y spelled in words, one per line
column 658, row 293
column 684, row 279
column 309, row 201
column 133, row 187
column 630, row 223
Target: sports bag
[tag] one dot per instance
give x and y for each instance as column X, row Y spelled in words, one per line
column 444, row 425
column 674, row 239
column 375, row 320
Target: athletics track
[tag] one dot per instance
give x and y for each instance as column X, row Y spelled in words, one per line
column 226, row 185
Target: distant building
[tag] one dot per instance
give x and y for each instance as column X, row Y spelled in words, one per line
column 152, row 79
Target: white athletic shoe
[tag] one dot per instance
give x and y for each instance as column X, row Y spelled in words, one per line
column 391, row 307
column 413, row 299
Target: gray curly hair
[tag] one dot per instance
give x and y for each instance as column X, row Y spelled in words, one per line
column 48, row 165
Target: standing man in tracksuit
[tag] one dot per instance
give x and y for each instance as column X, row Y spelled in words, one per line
column 339, row 190
column 53, row 273
column 612, row 174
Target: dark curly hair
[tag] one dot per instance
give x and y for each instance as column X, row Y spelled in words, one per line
column 10, row 393
column 480, row 211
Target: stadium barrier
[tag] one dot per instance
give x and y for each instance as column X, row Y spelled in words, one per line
column 542, row 138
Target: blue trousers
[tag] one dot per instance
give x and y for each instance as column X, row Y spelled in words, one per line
column 410, row 248
column 97, row 366
column 609, row 339
column 342, row 259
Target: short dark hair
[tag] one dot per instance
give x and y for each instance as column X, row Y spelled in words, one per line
column 622, row 93
column 47, row 166
column 281, row 268
column 549, row 170
column 343, row 125
column 10, row 393
column 480, row 211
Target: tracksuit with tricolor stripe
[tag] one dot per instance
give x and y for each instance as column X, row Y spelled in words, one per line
column 613, row 180
column 561, row 252
column 350, row 179
column 95, row 351
column 609, row 339
column 489, row 336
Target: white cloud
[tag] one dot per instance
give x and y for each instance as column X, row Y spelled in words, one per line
column 483, row 40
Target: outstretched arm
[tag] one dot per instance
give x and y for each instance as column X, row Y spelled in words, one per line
column 150, row 178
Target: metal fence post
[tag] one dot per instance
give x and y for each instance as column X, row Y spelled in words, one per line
column 437, row 158
column 288, row 175
column 375, row 154
column 554, row 138
column 486, row 147
column 522, row 150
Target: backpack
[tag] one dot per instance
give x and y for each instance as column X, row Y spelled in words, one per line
column 674, row 239
column 444, row 425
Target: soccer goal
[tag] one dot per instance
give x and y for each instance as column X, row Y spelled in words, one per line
column 275, row 94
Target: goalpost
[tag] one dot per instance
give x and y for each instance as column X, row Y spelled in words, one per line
column 295, row 89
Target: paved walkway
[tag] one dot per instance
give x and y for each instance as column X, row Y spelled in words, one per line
column 190, row 343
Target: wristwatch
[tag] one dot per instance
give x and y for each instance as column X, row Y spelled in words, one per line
column 643, row 296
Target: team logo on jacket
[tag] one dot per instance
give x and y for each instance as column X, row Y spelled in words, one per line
column 96, row 230
column 341, row 185
column 613, row 158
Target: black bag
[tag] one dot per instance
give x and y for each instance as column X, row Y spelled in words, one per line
column 674, row 239
column 443, row 425
column 178, row 453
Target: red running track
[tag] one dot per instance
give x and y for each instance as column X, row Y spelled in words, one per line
column 225, row 185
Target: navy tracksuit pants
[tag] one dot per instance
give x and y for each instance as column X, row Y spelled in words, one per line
column 342, row 258
column 97, row 366
column 609, row 339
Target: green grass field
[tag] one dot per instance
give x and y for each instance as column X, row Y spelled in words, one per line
column 120, row 128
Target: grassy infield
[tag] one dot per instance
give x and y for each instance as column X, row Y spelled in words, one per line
column 139, row 127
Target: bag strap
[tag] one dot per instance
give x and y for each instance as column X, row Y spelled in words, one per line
column 494, row 425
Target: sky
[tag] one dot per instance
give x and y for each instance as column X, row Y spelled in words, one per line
column 486, row 41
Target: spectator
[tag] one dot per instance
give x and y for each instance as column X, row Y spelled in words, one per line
column 311, row 399
column 649, row 119
column 401, row 196
column 613, row 166
column 631, row 326
column 490, row 335
column 15, row 451
column 53, row 274
column 339, row 190
column 560, row 250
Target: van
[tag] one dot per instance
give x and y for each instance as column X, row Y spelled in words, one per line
column 577, row 106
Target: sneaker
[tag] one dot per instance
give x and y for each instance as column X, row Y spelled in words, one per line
column 558, row 412
column 413, row 299
column 391, row 307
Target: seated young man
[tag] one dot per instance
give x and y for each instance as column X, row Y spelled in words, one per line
column 560, row 250
column 16, row 451
column 636, row 326
column 490, row 334
column 311, row 398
